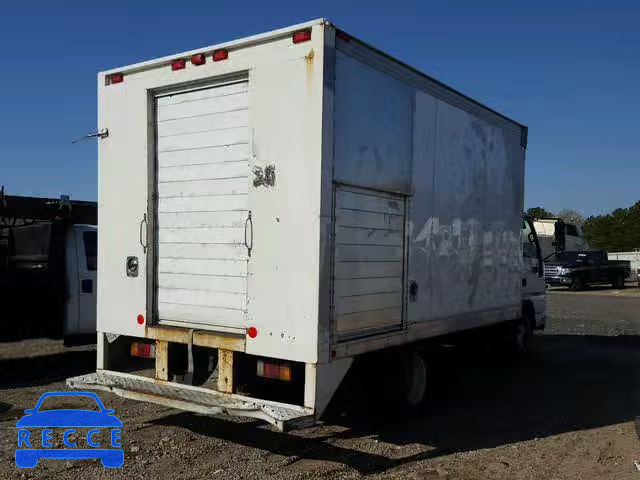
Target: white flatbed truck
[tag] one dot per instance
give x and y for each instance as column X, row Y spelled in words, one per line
column 275, row 207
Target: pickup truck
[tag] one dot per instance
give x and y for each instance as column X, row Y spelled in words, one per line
column 48, row 268
column 577, row 270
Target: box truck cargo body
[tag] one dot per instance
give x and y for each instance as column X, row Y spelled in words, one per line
column 290, row 201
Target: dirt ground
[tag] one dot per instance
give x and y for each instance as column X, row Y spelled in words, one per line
column 567, row 413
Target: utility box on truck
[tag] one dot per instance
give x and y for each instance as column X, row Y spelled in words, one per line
column 273, row 207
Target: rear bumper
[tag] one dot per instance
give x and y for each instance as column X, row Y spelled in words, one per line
column 557, row 280
column 194, row 399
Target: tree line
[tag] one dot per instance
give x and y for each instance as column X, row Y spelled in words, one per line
column 618, row 231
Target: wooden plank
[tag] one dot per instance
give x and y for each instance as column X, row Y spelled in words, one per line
column 199, row 172
column 204, row 123
column 212, row 92
column 346, row 270
column 354, row 322
column 202, row 219
column 230, row 235
column 219, row 154
column 204, row 251
column 206, row 106
column 162, row 360
column 367, row 286
column 203, row 203
column 233, row 268
column 368, row 253
column 368, row 236
column 188, row 141
column 203, row 282
column 369, row 202
column 202, row 298
column 368, row 303
column 225, row 186
column 353, row 218
column 201, row 338
column 225, row 371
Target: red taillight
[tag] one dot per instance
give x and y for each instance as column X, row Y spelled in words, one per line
column 178, row 64
column 144, row 350
column 275, row 371
column 222, row 54
column 302, row 36
column 343, row 35
column 116, row 78
column 198, row 59
column 140, row 319
column 252, row 332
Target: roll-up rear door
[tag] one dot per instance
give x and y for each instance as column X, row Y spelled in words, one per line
column 203, row 139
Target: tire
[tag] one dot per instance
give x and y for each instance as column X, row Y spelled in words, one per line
column 577, row 284
column 521, row 334
column 406, row 380
column 414, row 382
column 618, row 282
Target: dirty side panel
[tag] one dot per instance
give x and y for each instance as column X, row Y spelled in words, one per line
column 464, row 251
column 460, row 168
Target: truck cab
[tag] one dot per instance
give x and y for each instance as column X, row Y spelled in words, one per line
column 533, row 282
column 48, row 267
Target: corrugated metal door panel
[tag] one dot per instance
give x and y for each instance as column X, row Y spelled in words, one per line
column 202, row 186
column 369, row 261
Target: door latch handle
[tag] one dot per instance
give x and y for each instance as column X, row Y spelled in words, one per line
column 248, row 228
column 143, row 241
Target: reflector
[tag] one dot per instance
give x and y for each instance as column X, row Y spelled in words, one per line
column 144, row 350
column 220, row 55
column 275, row 371
column 116, row 78
column 198, row 59
column 302, row 36
column 178, row 64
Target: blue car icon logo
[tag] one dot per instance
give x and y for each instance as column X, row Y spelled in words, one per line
column 78, row 428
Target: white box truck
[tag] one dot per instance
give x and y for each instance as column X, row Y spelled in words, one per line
column 275, row 207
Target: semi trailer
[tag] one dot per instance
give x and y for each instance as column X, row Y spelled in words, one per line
column 277, row 208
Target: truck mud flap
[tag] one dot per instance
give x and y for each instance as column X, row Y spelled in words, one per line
column 194, row 399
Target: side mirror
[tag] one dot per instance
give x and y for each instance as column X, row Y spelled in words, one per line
column 30, row 410
column 560, row 236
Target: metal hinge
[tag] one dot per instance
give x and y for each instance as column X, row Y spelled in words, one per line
column 102, row 133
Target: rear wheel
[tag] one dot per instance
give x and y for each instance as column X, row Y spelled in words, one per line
column 577, row 284
column 618, row 282
column 414, row 383
column 406, row 380
column 521, row 334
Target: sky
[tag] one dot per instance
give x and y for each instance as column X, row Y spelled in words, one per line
column 568, row 70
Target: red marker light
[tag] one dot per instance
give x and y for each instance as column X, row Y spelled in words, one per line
column 220, row 55
column 178, row 64
column 140, row 319
column 198, row 59
column 252, row 332
column 116, row 78
column 302, row 36
column 343, row 35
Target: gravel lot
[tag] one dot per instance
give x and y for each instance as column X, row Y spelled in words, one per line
column 565, row 414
